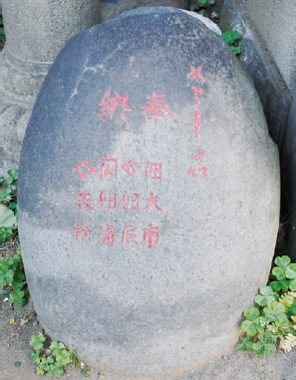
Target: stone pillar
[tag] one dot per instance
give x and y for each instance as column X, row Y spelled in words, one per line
column 113, row 8
column 36, row 30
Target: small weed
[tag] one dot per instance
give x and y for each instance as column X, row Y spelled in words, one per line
column 204, row 8
column 8, row 206
column 2, row 33
column 273, row 323
column 12, row 278
column 56, row 360
column 232, row 38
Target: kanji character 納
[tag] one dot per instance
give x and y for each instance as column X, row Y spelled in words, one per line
column 109, row 105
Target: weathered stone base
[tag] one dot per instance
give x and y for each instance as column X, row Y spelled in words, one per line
column 21, row 77
column 15, row 111
column 113, row 8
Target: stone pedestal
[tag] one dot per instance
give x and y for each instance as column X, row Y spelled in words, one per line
column 35, row 33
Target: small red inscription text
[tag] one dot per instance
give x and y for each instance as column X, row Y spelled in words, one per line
column 109, row 168
column 84, row 164
column 156, row 107
column 83, row 203
column 128, row 235
column 81, row 233
column 195, row 170
column 109, row 105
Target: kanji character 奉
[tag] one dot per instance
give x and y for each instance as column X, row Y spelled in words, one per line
column 156, row 107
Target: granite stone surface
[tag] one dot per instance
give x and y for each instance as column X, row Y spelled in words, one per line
column 148, row 196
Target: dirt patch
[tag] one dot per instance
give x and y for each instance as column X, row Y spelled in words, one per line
column 16, row 364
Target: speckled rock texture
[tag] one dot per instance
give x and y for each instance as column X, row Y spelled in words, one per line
column 148, row 196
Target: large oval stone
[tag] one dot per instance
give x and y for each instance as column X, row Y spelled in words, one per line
column 148, row 195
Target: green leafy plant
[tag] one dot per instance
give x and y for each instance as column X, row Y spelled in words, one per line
column 37, row 341
column 273, row 323
column 12, row 278
column 8, row 206
column 55, row 358
column 232, row 38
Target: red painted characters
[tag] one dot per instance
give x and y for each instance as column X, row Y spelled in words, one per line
column 84, row 164
column 195, row 73
column 108, row 236
column 112, row 201
column 81, row 233
column 109, row 169
column 109, row 105
column 156, row 108
column 195, row 170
